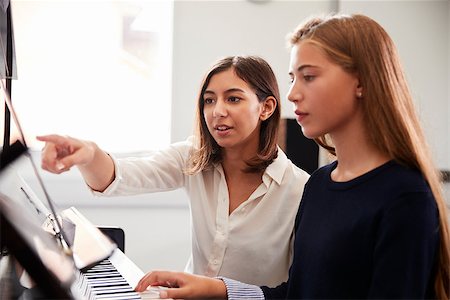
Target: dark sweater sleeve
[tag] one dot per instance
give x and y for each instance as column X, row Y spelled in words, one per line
column 279, row 292
column 405, row 248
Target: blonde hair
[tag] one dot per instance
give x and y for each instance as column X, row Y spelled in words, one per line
column 258, row 74
column 362, row 47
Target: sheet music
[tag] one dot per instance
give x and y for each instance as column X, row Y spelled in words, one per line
column 4, row 5
column 24, row 229
column 89, row 246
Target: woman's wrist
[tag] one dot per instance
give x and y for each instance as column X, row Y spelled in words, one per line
column 99, row 171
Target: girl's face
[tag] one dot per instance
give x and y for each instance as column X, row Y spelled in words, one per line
column 324, row 95
column 232, row 111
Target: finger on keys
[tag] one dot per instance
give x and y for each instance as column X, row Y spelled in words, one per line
column 151, row 293
column 183, row 285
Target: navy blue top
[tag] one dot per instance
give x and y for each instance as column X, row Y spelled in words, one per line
column 375, row 236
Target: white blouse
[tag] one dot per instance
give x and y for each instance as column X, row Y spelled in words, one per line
column 254, row 243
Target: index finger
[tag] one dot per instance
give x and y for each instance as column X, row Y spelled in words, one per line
column 53, row 138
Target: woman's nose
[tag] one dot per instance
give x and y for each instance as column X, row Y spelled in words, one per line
column 220, row 109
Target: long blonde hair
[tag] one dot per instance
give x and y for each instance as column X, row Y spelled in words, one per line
column 362, row 47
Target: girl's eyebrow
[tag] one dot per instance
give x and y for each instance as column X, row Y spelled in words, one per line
column 301, row 67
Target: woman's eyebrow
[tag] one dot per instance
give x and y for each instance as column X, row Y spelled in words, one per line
column 208, row 92
column 230, row 90
column 235, row 90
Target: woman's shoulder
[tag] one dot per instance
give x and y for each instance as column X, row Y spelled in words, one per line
column 184, row 147
column 187, row 143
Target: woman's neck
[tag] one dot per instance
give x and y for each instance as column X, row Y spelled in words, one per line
column 234, row 162
column 235, row 158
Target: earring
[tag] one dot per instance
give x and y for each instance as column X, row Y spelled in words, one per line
column 359, row 95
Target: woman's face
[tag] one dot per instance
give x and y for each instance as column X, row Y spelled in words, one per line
column 323, row 94
column 232, row 111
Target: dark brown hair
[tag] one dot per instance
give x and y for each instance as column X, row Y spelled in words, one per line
column 258, row 74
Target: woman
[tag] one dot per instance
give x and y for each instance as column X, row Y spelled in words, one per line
column 373, row 223
column 233, row 171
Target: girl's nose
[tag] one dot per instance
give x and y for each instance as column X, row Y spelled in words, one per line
column 294, row 94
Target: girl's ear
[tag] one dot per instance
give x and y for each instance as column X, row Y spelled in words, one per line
column 268, row 107
column 359, row 91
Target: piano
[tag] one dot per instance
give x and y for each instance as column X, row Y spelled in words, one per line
column 85, row 264
column 44, row 253
column 113, row 278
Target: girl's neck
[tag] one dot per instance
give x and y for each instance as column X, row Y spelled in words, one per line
column 356, row 156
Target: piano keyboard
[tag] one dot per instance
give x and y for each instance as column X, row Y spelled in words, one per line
column 103, row 281
column 114, row 279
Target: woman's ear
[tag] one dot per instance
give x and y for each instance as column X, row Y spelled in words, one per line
column 268, row 107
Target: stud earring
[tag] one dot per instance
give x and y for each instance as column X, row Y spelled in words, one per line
column 359, row 95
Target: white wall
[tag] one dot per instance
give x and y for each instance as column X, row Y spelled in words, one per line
column 158, row 234
column 420, row 31
column 207, row 30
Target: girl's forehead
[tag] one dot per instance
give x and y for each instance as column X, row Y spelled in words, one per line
column 307, row 53
column 306, row 49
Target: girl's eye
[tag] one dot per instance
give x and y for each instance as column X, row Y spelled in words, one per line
column 308, row 77
column 291, row 79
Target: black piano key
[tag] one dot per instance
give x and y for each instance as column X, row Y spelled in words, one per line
column 103, row 281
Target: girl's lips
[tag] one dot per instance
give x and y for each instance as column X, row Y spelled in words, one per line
column 300, row 116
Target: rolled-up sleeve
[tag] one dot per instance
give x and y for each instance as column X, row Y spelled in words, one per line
column 240, row 290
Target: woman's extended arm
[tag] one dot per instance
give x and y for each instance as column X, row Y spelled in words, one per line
column 61, row 153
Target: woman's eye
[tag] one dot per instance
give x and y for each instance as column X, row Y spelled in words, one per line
column 208, row 100
column 234, row 99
